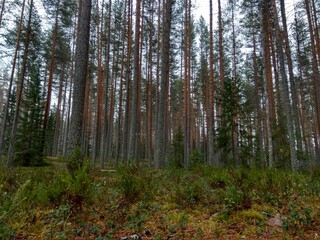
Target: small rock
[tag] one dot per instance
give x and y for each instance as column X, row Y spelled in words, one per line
column 275, row 222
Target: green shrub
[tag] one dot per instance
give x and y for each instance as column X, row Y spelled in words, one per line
column 80, row 182
column 177, row 149
column 5, row 231
column 298, row 218
column 29, row 158
column 196, row 158
column 75, row 160
column 233, row 197
column 189, row 192
column 135, row 183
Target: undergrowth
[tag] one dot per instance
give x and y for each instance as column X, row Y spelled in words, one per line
column 199, row 203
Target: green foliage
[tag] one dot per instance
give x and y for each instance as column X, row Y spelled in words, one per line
column 81, row 183
column 196, row 158
column 138, row 217
column 189, row 192
column 298, row 218
column 29, row 158
column 5, row 231
column 133, row 199
column 75, row 160
column 176, row 158
column 251, row 214
column 231, row 105
column 135, row 183
column 30, row 132
column 45, row 189
column 233, row 198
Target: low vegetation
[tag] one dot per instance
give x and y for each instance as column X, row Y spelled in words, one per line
column 203, row 203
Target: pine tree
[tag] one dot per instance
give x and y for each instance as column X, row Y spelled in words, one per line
column 81, row 63
column 160, row 150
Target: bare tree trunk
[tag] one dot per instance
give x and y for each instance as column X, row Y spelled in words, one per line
column 50, row 81
column 267, row 77
column 106, row 91
column 120, row 132
column 212, row 160
column 6, row 107
column 293, row 91
column 128, row 89
column 135, row 88
column 57, row 129
column 235, row 118
column 315, row 69
column 98, row 124
column 160, row 152
column 138, row 134
column 63, row 120
column 316, row 28
column 259, row 133
column 108, row 150
column 12, row 142
column 159, row 42
column 221, row 53
column 285, row 93
column 81, row 65
column 149, row 94
column 187, row 86
column 67, row 124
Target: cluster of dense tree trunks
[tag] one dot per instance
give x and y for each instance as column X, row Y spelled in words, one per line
column 125, row 80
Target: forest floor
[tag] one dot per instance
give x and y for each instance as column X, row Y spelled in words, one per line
column 203, row 203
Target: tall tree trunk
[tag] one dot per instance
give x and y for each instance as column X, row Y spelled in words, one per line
column 235, row 117
column 57, row 129
column 316, row 28
column 6, row 107
column 159, row 42
column 267, row 77
column 120, row 132
column 98, row 124
column 315, row 70
column 160, row 153
column 212, row 160
column 187, row 62
column 221, row 53
column 259, row 133
column 50, row 81
column 67, row 124
column 285, row 92
column 302, row 98
column 105, row 123
column 113, row 78
column 80, row 75
column 64, row 103
column 12, row 142
column 138, row 133
column 128, row 88
column 149, row 140
column 294, row 93
column 135, row 87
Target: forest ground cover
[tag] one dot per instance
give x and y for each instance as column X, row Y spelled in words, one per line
column 202, row 203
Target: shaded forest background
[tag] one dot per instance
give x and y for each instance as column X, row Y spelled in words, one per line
column 161, row 86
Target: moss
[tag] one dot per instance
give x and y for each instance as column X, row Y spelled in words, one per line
column 251, row 214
